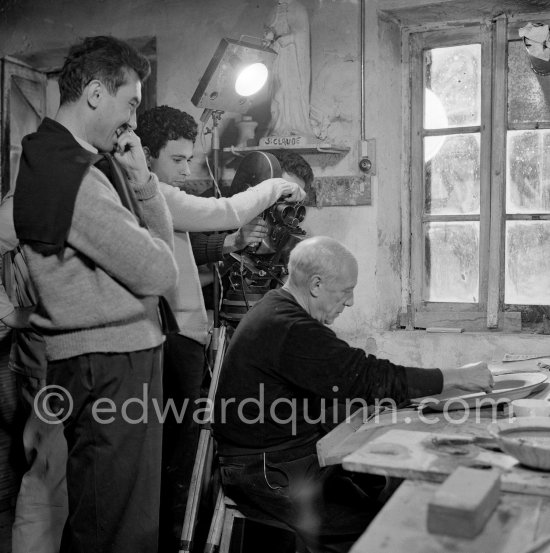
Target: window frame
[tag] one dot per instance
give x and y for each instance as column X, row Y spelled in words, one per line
column 512, row 35
column 489, row 312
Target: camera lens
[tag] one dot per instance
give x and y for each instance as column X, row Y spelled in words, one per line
column 300, row 213
column 283, row 213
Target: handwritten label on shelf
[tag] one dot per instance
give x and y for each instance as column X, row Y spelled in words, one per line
column 283, row 141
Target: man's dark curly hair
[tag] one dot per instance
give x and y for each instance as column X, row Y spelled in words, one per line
column 104, row 58
column 156, row 126
column 295, row 164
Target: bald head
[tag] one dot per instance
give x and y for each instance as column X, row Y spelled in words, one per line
column 318, row 255
column 322, row 276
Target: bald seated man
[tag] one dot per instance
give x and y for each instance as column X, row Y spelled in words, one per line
column 282, row 364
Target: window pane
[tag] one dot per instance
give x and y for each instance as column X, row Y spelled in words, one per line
column 528, row 172
column 527, row 274
column 454, row 77
column 451, row 174
column 526, row 98
column 451, row 264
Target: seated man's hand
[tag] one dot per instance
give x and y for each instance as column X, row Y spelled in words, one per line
column 251, row 233
column 474, row 377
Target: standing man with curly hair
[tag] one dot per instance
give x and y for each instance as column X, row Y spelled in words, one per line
column 99, row 251
column 168, row 136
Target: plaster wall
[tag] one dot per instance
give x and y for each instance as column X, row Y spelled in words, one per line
column 187, row 33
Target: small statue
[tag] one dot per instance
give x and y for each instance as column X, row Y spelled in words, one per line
column 288, row 34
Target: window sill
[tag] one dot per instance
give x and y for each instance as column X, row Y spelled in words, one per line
column 468, row 321
column 419, row 348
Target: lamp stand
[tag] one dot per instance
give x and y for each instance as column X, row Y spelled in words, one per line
column 217, row 171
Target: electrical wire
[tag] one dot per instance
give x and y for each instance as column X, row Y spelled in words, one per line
column 203, row 146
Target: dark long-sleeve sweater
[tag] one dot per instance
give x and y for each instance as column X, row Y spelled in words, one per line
column 207, row 248
column 282, row 365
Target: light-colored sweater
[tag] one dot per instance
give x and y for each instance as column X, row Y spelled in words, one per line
column 100, row 294
column 195, row 214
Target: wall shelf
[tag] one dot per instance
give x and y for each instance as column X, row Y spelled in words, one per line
column 319, row 148
column 324, row 190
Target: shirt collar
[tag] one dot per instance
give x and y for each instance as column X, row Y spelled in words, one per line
column 86, row 145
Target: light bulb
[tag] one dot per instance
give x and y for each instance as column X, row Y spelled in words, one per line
column 251, row 79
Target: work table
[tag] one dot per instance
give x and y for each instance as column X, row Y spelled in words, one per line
column 410, row 444
column 516, row 524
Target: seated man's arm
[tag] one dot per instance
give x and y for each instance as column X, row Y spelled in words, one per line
column 317, row 359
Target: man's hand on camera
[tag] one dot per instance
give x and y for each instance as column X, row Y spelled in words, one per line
column 292, row 192
column 250, row 234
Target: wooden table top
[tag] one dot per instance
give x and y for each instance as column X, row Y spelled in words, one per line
column 401, row 444
column 518, row 521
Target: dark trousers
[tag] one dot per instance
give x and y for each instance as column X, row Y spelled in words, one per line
column 326, row 507
column 184, row 368
column 114, row 443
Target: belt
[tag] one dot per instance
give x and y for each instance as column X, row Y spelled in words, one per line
column 276, row 453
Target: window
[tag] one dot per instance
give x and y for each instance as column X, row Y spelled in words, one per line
column 480, row 173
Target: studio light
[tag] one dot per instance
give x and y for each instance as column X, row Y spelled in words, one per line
column 236, row 72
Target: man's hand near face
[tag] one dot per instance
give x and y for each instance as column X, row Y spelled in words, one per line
column 131, row 157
